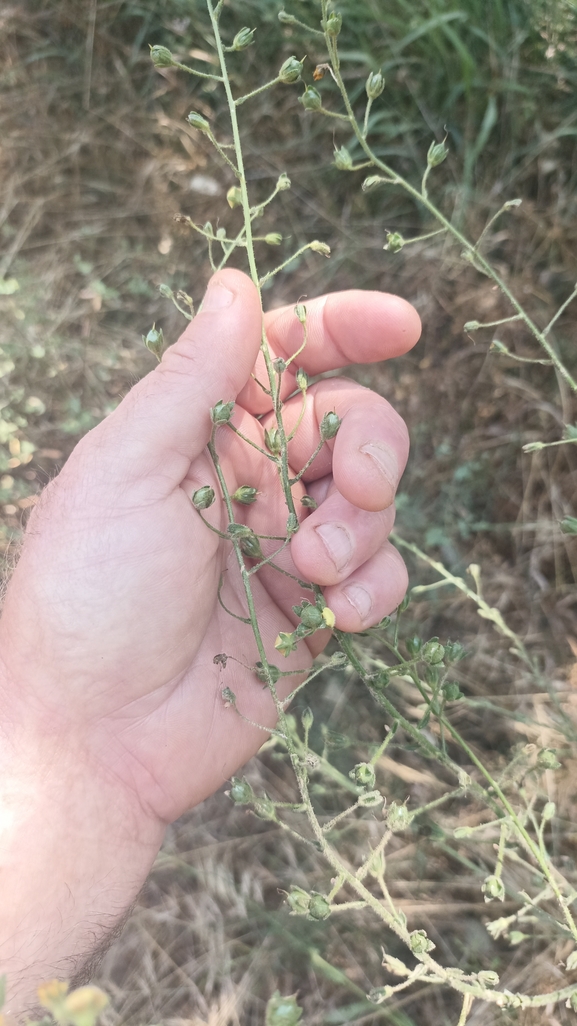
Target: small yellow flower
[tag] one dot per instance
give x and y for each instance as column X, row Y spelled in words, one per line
column 329, row 617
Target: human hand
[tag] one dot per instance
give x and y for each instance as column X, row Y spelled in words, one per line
column 111, row 620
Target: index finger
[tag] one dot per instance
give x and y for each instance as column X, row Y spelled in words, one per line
column 342, row 328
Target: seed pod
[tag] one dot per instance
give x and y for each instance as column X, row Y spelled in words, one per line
column 493, row 888
column 419, row 942
column 343, row 159
column 437, row 153
column 414, row 646
column 154, row 341
column 250, row 545
column 241, row 792
column 302, row 379
column 307, row 718
column 311, row 99
column 398, row 817
column 433, row 652
column 272, row 440
column 452, row 691
column 222, row 412
column 454, row 651
column 283, row 182
column 319, row 907
column 311, row 616
column 372, row 182
column 234, row 197
column 273, row 239
column 203, row 497
column 363, row 775
column 298, row 900
column 330, row 424
column 395, row 242
column 549, row 811
column 245, row 494
column 161, row 57
column 320, row 247
column 374, row 85
column 243, row 38
column 197, row 121
column 282, row 1011
column 290, row 70
column 333, row 24
column 273, row 672
column 265, row 808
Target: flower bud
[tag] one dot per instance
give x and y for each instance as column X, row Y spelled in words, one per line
column 311, row 99
column 283, row 182
column 154, row 341
column 166, row 291
column 273, row 239
column 454, row 651
column 272, row 440
column 398, row 817
column 222, row 412
column 273, row 672
column 414, row 646
column 290, row 70
column 452, row 691
column 548, row 760
column 419, row 942
column 363, row 775
column 234, row 197
column 250, row 545
column 343, row 159
column 307, row 718
column 330, row 424
column 395, row 242
column 203, row 497
column 241, row 792
column 282, row 1011
column 319, row 907
column 549, row 811
column 374, row 85
column 228, row 696
column 197, row 121
column 311, row 616
column 493, row 888
column 433, row 652
column 243, row 38
column 373, row 181
column 302, row 379
column 438, row 152
column 245, row 494
column 161, row 57
column 265, row 808
column 333, row 24
column 432, row 675
column 298, row 900
column 320, row 247
column 285, row 643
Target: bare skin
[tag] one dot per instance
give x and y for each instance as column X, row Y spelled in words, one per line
column 112, row 722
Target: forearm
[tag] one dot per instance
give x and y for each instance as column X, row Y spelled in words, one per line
column 75, row 849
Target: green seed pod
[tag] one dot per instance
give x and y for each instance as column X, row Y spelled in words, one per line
column 374, row 85
column 320, row 247
column 241, row 792
column 548, row 760
column 166, row 291
column 234, row 197
column 273, row 672
column 273, row 239
column 283, row 182
column 363, row 775
column 222, row 412
column 203, row 497
column 437, row 153
column 493, row 888
column 154, row 341
column 454, row 651
column 433, row 652
column 245, row 494
column 302, row 379
column 282, row 1011
column 414, row 646
column 419, row 942
column 197, row 121
column 343, row 159
column 298, row 900
column 243, row 38
column 250, row 545
column 311, row 99
column 301, row 312
column 549, row 811
column 395, row 242
column 265, row 808
column 272, row 440
column 379, row 994
column 372, row 182
column 319, row 907
column 398, row 817
column 432, row 675
column 290, row 71
column 452, row 691
column 333, row 24
column 161, row 57
column 311, row 616
column 307, row 718
column 330, row 424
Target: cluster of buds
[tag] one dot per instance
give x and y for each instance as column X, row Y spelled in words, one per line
column 312, row 618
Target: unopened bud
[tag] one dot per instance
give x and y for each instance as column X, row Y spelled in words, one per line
column 154, row 341
column 320, row 247
column 488, row 977
column 419, row 942
column 282, row 1011
column 398, row 817
column 302, row 379
column 375, row 84
column 311, row 99
column 438, row 152
column 266, row 676
column 291, row 69
column 301, row 312
column 222, row 412
column 343, row 159
column 243, row 38
column 250, row 545
column 454, row 651
column 197, row 121
column 493, row 888
column 395, row 242
column 311, row 616
column 333, row 24
column 549, row 811
column 363, row 775
column 414, row 646
column 221, row 234
column 298, row 900
column 272, row 440
column 245, row 494
column 265, row 808
column 283, row 182
column 203, row 497
column 307, row 718
column 319, row 907
column 452, row 691
column 330, row 424
column 166, row 291
column 372, row 182
column 161, row 57
column 273, row 239
column 241, row 792
column 234, row 197
column 433, row 652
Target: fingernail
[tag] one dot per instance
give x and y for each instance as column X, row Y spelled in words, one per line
column 359, row 599
column 217, row 297
column 385, row 459
column 337, row 542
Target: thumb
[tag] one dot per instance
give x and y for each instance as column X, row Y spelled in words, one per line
column 163, row 423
